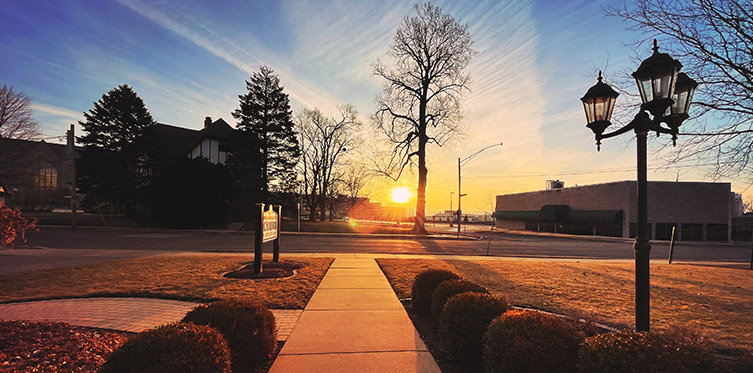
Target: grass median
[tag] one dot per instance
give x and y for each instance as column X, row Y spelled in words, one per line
column 183, row 277
column 716, row 301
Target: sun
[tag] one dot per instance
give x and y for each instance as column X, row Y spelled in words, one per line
column 401, row 195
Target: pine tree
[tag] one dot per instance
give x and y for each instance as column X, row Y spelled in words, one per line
column 113, row 165
column 265, row 115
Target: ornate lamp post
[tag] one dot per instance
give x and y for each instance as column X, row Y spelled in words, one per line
column 666, row 95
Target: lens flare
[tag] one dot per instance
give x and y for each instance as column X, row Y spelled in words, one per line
column 401, row 195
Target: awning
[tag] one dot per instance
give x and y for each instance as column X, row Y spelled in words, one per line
column 595, row 216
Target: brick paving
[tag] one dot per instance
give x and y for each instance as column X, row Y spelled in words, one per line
column 127, row 314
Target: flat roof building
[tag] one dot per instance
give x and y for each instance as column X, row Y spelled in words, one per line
column 699, row 211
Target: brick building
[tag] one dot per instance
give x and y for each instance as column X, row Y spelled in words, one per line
column 700, row 211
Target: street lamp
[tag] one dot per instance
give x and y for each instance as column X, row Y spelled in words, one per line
column 460, row 163
column 666, row 95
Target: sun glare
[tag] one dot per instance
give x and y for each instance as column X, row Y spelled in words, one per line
column 401, row 195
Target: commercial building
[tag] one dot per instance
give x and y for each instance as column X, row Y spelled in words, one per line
column 699, row 211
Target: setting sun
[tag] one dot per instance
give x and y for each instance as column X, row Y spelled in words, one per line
column 401, row 195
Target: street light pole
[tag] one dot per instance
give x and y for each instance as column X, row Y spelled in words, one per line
column 460, row 163
column 666, row 94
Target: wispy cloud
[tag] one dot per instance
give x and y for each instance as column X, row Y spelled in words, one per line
column 56, row 111
column 246, row 56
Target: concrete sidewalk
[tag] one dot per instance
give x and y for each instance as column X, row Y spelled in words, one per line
column 354, row 323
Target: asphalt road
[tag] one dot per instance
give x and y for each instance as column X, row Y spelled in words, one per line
column 54, row 247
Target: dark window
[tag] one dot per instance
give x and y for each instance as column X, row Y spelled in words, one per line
column 664, row 231
column 532, row 225
column 634, row 230
column 716, row 232
column 692, row 232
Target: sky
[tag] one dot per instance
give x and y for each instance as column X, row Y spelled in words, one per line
column 190, row 59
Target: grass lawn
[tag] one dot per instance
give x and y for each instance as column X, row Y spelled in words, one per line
column 717, row 301
column 185, row 277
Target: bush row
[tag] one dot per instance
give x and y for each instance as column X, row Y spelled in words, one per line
column 222, row 336
column 478, row 328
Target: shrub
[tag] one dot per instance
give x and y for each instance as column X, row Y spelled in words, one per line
column 743, row 364
column 530, row 341
column 423, row 287
column 448, row 288
column 463, row 322
column 175, row 347
column 631, row 351
column 248, row 327
column 13, row 226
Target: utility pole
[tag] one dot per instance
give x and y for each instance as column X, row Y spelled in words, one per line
column 70, row 151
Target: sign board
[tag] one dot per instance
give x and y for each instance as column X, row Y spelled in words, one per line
column 269, row 226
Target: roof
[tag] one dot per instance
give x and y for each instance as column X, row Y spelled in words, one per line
column 27, row 146
column 174, row 141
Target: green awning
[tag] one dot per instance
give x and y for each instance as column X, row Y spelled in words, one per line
column 516, row 215
column 595, row 216
column 554, row 212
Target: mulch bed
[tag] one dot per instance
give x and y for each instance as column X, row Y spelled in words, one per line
column 55, row 347
column 269, row 270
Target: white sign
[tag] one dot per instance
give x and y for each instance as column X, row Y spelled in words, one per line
column 269, row 226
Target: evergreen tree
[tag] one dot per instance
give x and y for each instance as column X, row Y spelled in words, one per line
column 113, row 166
column 265, row 118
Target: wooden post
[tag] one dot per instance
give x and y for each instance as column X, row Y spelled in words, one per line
column 258, row 238
column 276, row 242
column 672, row 244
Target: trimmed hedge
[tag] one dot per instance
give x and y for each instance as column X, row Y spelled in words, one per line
column 423, row 288
column 463, row 322
column 174, row 347
column 530, row 341
column 248, row 327
column 630, row 351
column 447, row 289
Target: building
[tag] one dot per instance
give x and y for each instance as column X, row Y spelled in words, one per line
column 698, row 211
column 34, row 174
column 215, row 141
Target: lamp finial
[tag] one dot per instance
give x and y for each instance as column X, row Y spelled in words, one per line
column 656, row 46
column 599, row 78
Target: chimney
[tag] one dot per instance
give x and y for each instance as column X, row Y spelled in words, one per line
column 207, row 121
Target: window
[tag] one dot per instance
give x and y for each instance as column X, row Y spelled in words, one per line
column 716, row 232
column 692, row 232
column 664, row 231
column 46, row 177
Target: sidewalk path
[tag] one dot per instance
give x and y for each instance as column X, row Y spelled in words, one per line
column 128, row 314
column 354, row 323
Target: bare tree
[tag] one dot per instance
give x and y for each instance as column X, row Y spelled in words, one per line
column 747, row 205
column 324, row 141
column 16, row 116
column 16, row 123
column 714, row 41
column 420, row 103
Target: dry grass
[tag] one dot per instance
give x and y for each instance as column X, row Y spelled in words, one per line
column 717, row 301
column 186, row 277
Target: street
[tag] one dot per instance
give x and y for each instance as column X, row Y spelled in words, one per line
column 57, row 247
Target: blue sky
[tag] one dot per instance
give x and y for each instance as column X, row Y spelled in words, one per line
column 189, row 59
